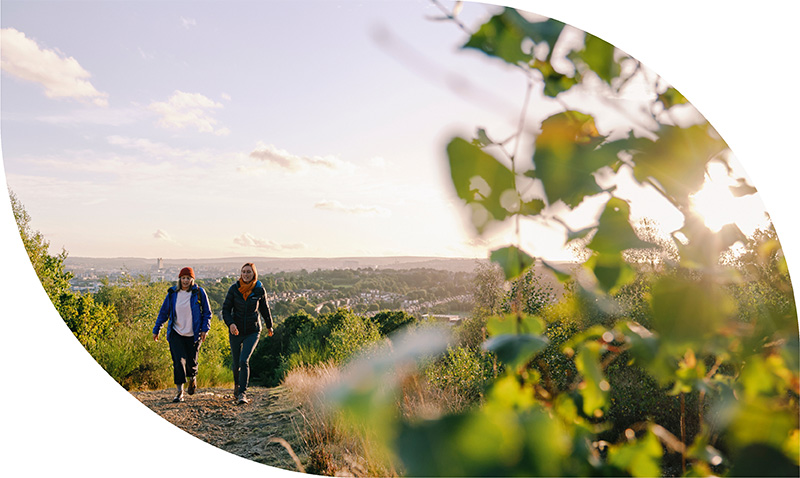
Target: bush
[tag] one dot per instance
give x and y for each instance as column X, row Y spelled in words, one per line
column 351, row 336
column 461, row 375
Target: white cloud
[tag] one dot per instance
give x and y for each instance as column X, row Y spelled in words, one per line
column 145, row 55
column 226, row 96
column 188, row 22
column 163, row 236
column 158, row 150
column 286, row 160
column 61, row 76
column 329, row 205
column 248, row 240
column 183, row 110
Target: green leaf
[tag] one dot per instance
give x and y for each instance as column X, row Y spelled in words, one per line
column 671, row 97
column 511, row 324
column 705, row 246
column 641, row 457
column 502, row 37
column 554, row 82
column 677, row 159
column 689, row 311
column 481, row 181
column 643, row 344
column 482, row 138
column 594, row 388
column 611, row 271
column 598, row 55
column 614, row 231
column 504, row 34
column 515, row 350
column 513, row 261
column 531, row 208
column 567, row 155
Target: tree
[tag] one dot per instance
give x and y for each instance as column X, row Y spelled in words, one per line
column 488, row 289
column 88, row 320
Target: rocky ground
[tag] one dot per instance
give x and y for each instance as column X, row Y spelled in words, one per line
column 263, row 430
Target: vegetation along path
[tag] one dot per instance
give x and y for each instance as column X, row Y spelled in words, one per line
column 258, row 431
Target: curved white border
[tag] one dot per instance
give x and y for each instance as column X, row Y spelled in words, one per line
column 734, row 61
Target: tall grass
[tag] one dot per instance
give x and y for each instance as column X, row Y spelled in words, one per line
column 334, row 448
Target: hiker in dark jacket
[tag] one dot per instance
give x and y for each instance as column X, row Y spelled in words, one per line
column 189, row 313
column 245, row 301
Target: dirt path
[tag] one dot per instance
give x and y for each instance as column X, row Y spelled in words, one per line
column 246, row 430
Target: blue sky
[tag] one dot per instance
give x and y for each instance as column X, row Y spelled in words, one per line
column 278, row 128
column 86, row 423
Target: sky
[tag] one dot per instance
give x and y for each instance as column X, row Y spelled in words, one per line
column 74, row 417
column 278, row 128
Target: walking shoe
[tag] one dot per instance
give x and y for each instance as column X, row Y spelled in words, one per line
column 178, row 398
column 192, row 385
column 243, row 398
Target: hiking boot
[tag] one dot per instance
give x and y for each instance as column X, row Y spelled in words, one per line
column 192, row 385
column 243, row 398
column 178, row 398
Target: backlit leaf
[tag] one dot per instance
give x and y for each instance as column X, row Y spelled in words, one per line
column 614, row 232
column 554, row 82
column 515, row 349
column 594, row 388
column 567, row 155
column 480, row 180
column 671, row 97
column 513, row 260
column 511, row 324
column 598, row 55
column 742, row 189
column 502, row 37
column 641, row 457
column 688, row 310
column 677, row 159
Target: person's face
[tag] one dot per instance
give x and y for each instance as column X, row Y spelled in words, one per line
column 247, row 273
column 186, row 282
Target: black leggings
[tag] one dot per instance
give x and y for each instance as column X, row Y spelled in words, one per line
column 185, row 352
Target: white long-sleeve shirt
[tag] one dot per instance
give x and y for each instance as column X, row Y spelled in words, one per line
column 183, row 314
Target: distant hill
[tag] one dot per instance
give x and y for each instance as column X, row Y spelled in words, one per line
column 136, row 265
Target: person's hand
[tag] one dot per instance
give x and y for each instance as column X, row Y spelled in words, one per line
column 269, row 332
column 234, row 329
column 203, row 336
column 155, row 337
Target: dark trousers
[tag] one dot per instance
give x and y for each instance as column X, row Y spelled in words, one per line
column 185, row 352
column 242, row 347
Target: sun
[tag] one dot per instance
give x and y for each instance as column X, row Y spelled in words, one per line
column 714, row 201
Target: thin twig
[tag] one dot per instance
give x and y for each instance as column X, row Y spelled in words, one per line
column 288, row 447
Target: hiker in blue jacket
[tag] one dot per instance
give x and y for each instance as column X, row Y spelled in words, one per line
column 245, row 301
column 189, row 313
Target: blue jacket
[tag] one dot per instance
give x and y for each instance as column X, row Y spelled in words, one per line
column 244, row 313
column 201, row 311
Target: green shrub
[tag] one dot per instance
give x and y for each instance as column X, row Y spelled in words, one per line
column 463, row 372
column 352, row 335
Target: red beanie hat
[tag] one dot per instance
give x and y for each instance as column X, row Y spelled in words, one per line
column 187, row 271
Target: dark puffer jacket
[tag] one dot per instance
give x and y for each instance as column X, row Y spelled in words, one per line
column 244, row 313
